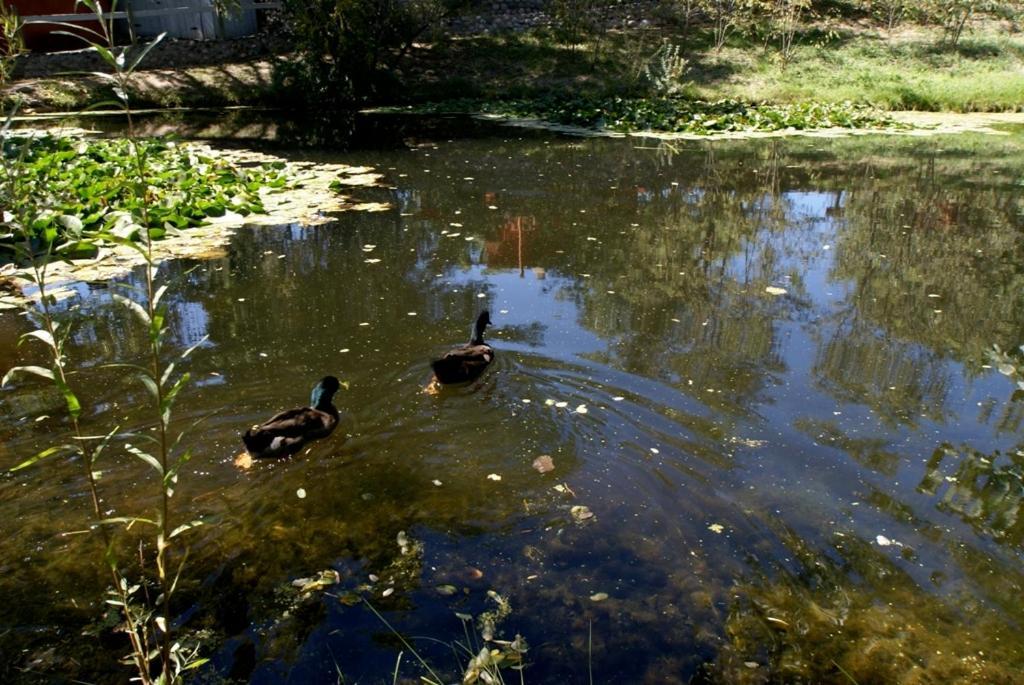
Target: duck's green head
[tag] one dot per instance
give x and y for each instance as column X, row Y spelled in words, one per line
column 324, row 391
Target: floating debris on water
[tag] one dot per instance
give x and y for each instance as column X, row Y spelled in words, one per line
column 544, row 463
column 581, row 513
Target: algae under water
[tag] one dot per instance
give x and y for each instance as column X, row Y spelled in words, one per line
column 758, row 368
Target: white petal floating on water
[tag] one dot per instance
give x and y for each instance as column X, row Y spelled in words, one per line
column 883, row 541
column 549, row 403
column 368, row 247
column 454, row 235
column 482, row 295
column 454, row 225
column 503, row 311
column 437, row 482
column 561, row 405
column 527, row 400
column 241, row 299
column 371, row 261
column 491, row 207
column 618, row 398
column 716, row 528
column 410, row 313
column 1006, row 369
column 388, row 592
column 655, row 450
column 598, row 596
column 493, row 476
column 343, row 350
column 301, row 493
column 775, row 290
column 582, row 409
column 263, row 354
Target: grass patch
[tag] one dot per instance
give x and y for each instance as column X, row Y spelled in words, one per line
column 909, row 70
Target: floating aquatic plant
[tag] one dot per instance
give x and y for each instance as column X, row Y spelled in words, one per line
column 679, row 115
column 84, row 185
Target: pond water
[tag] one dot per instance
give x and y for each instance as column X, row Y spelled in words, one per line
column 760, row 365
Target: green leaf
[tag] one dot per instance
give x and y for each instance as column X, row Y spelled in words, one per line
column 136, row 308
column 167, row 374
column 107, row 56
column 141, row 55
column 130, row 520
column 186, row 527
column 36, row 370
column 48, row 452
column 146, row 457
column 150, row 384
column 74, row 407
column 41, row 335
column 165, row 409
column 103, row 443
column 159, row 293
column 193, row 348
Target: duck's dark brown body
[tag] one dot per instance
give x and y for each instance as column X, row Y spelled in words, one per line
column 286, row 433
column 462, row 364
column 466, row 362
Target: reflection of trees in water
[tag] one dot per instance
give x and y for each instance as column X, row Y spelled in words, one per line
column 926, row 237
column 901, row 381
column 984, row 490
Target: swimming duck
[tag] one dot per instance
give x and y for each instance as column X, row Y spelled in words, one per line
column 288, row 432
column 466, row 362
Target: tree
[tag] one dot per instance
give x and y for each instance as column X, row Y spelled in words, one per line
column 350, row 47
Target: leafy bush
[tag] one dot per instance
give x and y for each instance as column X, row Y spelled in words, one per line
column 665, row 70
column 349, row 48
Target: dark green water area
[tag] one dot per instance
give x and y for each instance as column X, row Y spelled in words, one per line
column 761, row 366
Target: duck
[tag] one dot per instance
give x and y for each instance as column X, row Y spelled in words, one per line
column 286, row 433
column 466, row 362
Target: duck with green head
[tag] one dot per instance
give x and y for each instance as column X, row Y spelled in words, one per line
column 466, row 362
column 286, row 433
